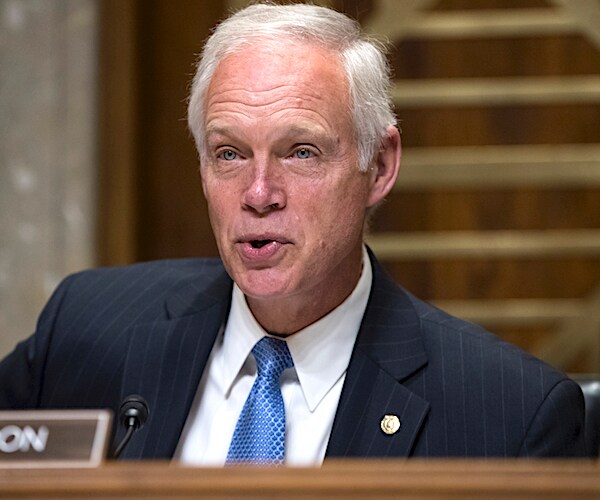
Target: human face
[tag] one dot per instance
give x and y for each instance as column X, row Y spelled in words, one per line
column 286, row 199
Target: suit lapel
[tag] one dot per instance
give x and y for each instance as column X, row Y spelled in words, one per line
column 388, row 350
column 166, row 360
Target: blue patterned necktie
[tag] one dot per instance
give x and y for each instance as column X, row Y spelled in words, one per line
column 259, row 436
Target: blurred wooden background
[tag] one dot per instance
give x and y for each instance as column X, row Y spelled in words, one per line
column 496, row 215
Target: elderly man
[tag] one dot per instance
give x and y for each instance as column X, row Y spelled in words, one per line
column 295, row 346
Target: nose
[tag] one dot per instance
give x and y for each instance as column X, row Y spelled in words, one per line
column 265, row 190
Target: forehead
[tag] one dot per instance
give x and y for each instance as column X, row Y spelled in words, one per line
column 265, row 71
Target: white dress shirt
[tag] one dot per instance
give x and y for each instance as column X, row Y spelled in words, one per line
column 311, row 389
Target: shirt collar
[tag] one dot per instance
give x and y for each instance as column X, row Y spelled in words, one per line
column 321, row 351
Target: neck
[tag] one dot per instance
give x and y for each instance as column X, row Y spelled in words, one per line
column 284, row 316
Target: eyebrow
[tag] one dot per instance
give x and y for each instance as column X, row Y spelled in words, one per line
column 306, row 133
column 217, row 130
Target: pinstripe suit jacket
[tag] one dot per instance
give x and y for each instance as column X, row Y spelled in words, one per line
column 149, row 328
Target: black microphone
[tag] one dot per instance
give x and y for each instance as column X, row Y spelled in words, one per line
column 133, row 415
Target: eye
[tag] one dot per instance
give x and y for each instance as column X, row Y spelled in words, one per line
column 303, row 153
column 227, row 155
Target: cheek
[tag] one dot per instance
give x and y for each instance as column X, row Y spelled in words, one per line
column 219, row 196
column 218, row 213
column 337, row 221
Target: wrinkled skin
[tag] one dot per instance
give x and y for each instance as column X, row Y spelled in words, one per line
column 286, row 199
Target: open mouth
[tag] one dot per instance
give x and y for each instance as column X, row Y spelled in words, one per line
column 260, row 247
column 259, row 243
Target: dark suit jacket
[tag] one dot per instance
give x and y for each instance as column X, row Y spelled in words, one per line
column 148, row 329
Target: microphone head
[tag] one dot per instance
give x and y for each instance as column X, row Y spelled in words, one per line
column 134, row 411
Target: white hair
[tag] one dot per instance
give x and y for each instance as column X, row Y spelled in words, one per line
column 363, row 59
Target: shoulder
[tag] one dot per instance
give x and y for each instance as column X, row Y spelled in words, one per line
column 466, row 349
column 452, row 344
column 164, row 271
column 487, row 397
column 139, row 291
column 160, row 277
column 473, row 372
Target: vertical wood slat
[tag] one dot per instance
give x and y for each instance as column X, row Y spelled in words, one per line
column 150, row 201
column 173, row 216
column 118, row 117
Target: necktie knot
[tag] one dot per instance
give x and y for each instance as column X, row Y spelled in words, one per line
column 272, row 357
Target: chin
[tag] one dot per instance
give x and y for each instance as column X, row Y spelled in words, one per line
column 263, row 284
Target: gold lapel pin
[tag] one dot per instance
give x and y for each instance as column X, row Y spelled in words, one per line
column 390, row 424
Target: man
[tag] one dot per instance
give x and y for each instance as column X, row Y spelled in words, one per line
column 291, row 115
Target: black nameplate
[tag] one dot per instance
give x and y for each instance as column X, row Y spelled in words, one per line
column 53, row 438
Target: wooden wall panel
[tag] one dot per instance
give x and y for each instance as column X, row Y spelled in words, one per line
column 491, row 209
column 150, row 167
column 171, row 201
column 489, row 4
column 490, row 281
column 153, row 206
column 463, row 278
column 476, row 126
column 118, row 121
column 495, row 57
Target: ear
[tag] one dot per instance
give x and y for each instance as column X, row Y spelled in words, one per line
column 385, row 167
